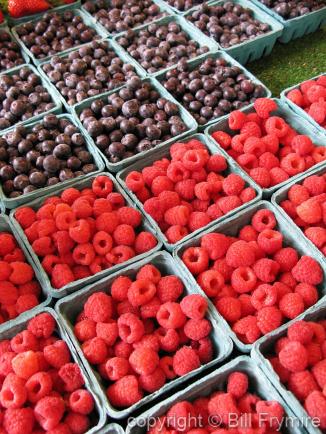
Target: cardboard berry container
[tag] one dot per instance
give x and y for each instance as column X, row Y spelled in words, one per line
column 186, row 27
column 69, row 307
column 255, row 48
column 13, row 328
column 266, row 344
column 116, row 167
column 110, row 428
column 77, row 12
column 6, row 226
column 16, row 21
column 125, row 57
column 295, row 121
column 52, row 92
column 298, row 110
column 194, row 63
column 165, row 10
column 165, row 152
column 26, row 59
column 216, row 381
column 11, row 203
column 296, row 27
column 282, row 194
column 77, row 284
column 231, row 227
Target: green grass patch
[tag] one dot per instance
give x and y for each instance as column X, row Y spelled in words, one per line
column 292, row 63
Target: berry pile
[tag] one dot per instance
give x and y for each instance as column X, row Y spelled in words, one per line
column 311, row 96
column 306, row 205
column 42, row 389
column 266, row 146
column 10, row 53
column 19, row 291
column 84, row 232
column 188, row 191
column 289, row 9
column 236, row 409
column 144, row 334
column 255, row 282
column 300, row 362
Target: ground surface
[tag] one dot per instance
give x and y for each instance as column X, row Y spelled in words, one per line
column 292, row 63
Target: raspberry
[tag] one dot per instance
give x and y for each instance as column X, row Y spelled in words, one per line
column 116, row 368
column 216, row 163
column 62, row 275
column 319, row 372
column 222, row 138
column 315, row 405
column 57, row 354
column 131, row 328
column 222, row 405
column 215, row 244
column 149, row 174
column 296, row 97
column 276, row 125
column 291, row 305
column 107, row 331
column 254, row 146
column 99, row 307
column 169, row 288
column 308, row 270
column 270, row 241
column 272, row 411
column 266, row 270
column 7, row 243
column 145, row 241
column 248, row 233
column 300, row 331
column 277, row 175
column 243, row 280
column 316, row 235
column 95, row 350
column 24, row 341
column 81, row 401
column 228, row 203
column 161, row 183
column 49, row 411
column 192, row 160
column 198, row 220
column 197, row 329
column 185, row 360
column 75, row 423
column 124, row 392
column 247, row 329
column 166, row 364
column 263, row 219
column 287, row 258
column 229, row 308
column 194, row 306
column 315, row 185
column 168, row 339
column 211, row 282
column 315, row 93
column 246, row 306
column 237, row 384
column 18, row 420
column 268, row 160
column 71, row 376
column 282, row 372
column 38, row 386
column 263, row 296
column 233, row 184
column 264, row 107
column 102, row 186
column 196, row 259
column 147, row 272
column 120, row 288
column 181, row 416
column 171, row 316
column 176, row 233
column 141, row 292
column 294, row 357
column 134, row 181
column 236, row 120
column 268, row 319
column 310, row 211
column 308, row 293
column 302, row 384
column 261, row 176
column 293, row 164
column 240, row 254
column 25, row 364
column 251, row 129
column 13, row 393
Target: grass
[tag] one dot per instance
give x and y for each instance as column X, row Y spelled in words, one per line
column 292, row 63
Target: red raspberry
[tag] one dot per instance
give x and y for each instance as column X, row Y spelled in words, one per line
column 302, row 145
column 211, row 282
column 74, row 422
column 277, row 175
column 141, row 292
column 176, row 233
column 102, row 186
column 272, row 411
column 286, row 258
column 18, row 420
column 236, row 120
column 25, row 216
column 270, row 241
column 81, row 401
column 266, row 270
column 229, row 308
column 293, row 164
column 161, row 183
column 149, row 174
column 247, row 329
column 254, row 146
column 181, row 416
column 295, row 96
column 240, row 254
column 149, row 272
column 276, row 125
column 298, row 194
column 251, row 129
column 150, row 309
column 308, row 293
column 246, row 306
column 13, row 393
column 168, row 199
column 194, row 306
column 124, row 392
column 263, row 296
column 38, row 386
column 154, row 381
column 178, row 215
column 71, row 376
column 107, row 331
column 99, row 307
column 185, row 360
column 222, row 405
column 214, row 212
column 145, row 241
column 144, row 360
column 24, row 341
column 25, row 364
column 291, row 305
column 169, row 288
column 294, row 357
column 308, row 270
column 247, row 194
column 62, row 275
column 171, row 316
column 222, row 138
column 57, row 354
column 282, row 372
column 261, row 176
column 166, row 364
column 131, row 329
column 268, row 160
column 315, row 405
column 95, row 350
column 243, row 280
column 315, row 185
column 302, row 384
column 300, row 331
column 316, row 235
column 319, row 372
column 216, row 163
column 248, row 233
column 264, row 107
column 310, row 211
column 197, row 329
column 168, row 339
column 315, row 93
column 268, row 319
column 215, row 244
column 196, row 259
column 237, row 384
column 228, row 203
column 198, row 220
column 233, row 184
column 263, row 219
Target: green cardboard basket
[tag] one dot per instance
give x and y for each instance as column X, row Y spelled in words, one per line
column 76, row 11
column 11, row 203
column 299, row 124
column 77, row 284
column 296, row 27
column 165, row 152
column 298, row 110
column 194, row 63
column 114, row 47
column 257, row 47
column 69, row 307
column 231, row 227
column 116, row 167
